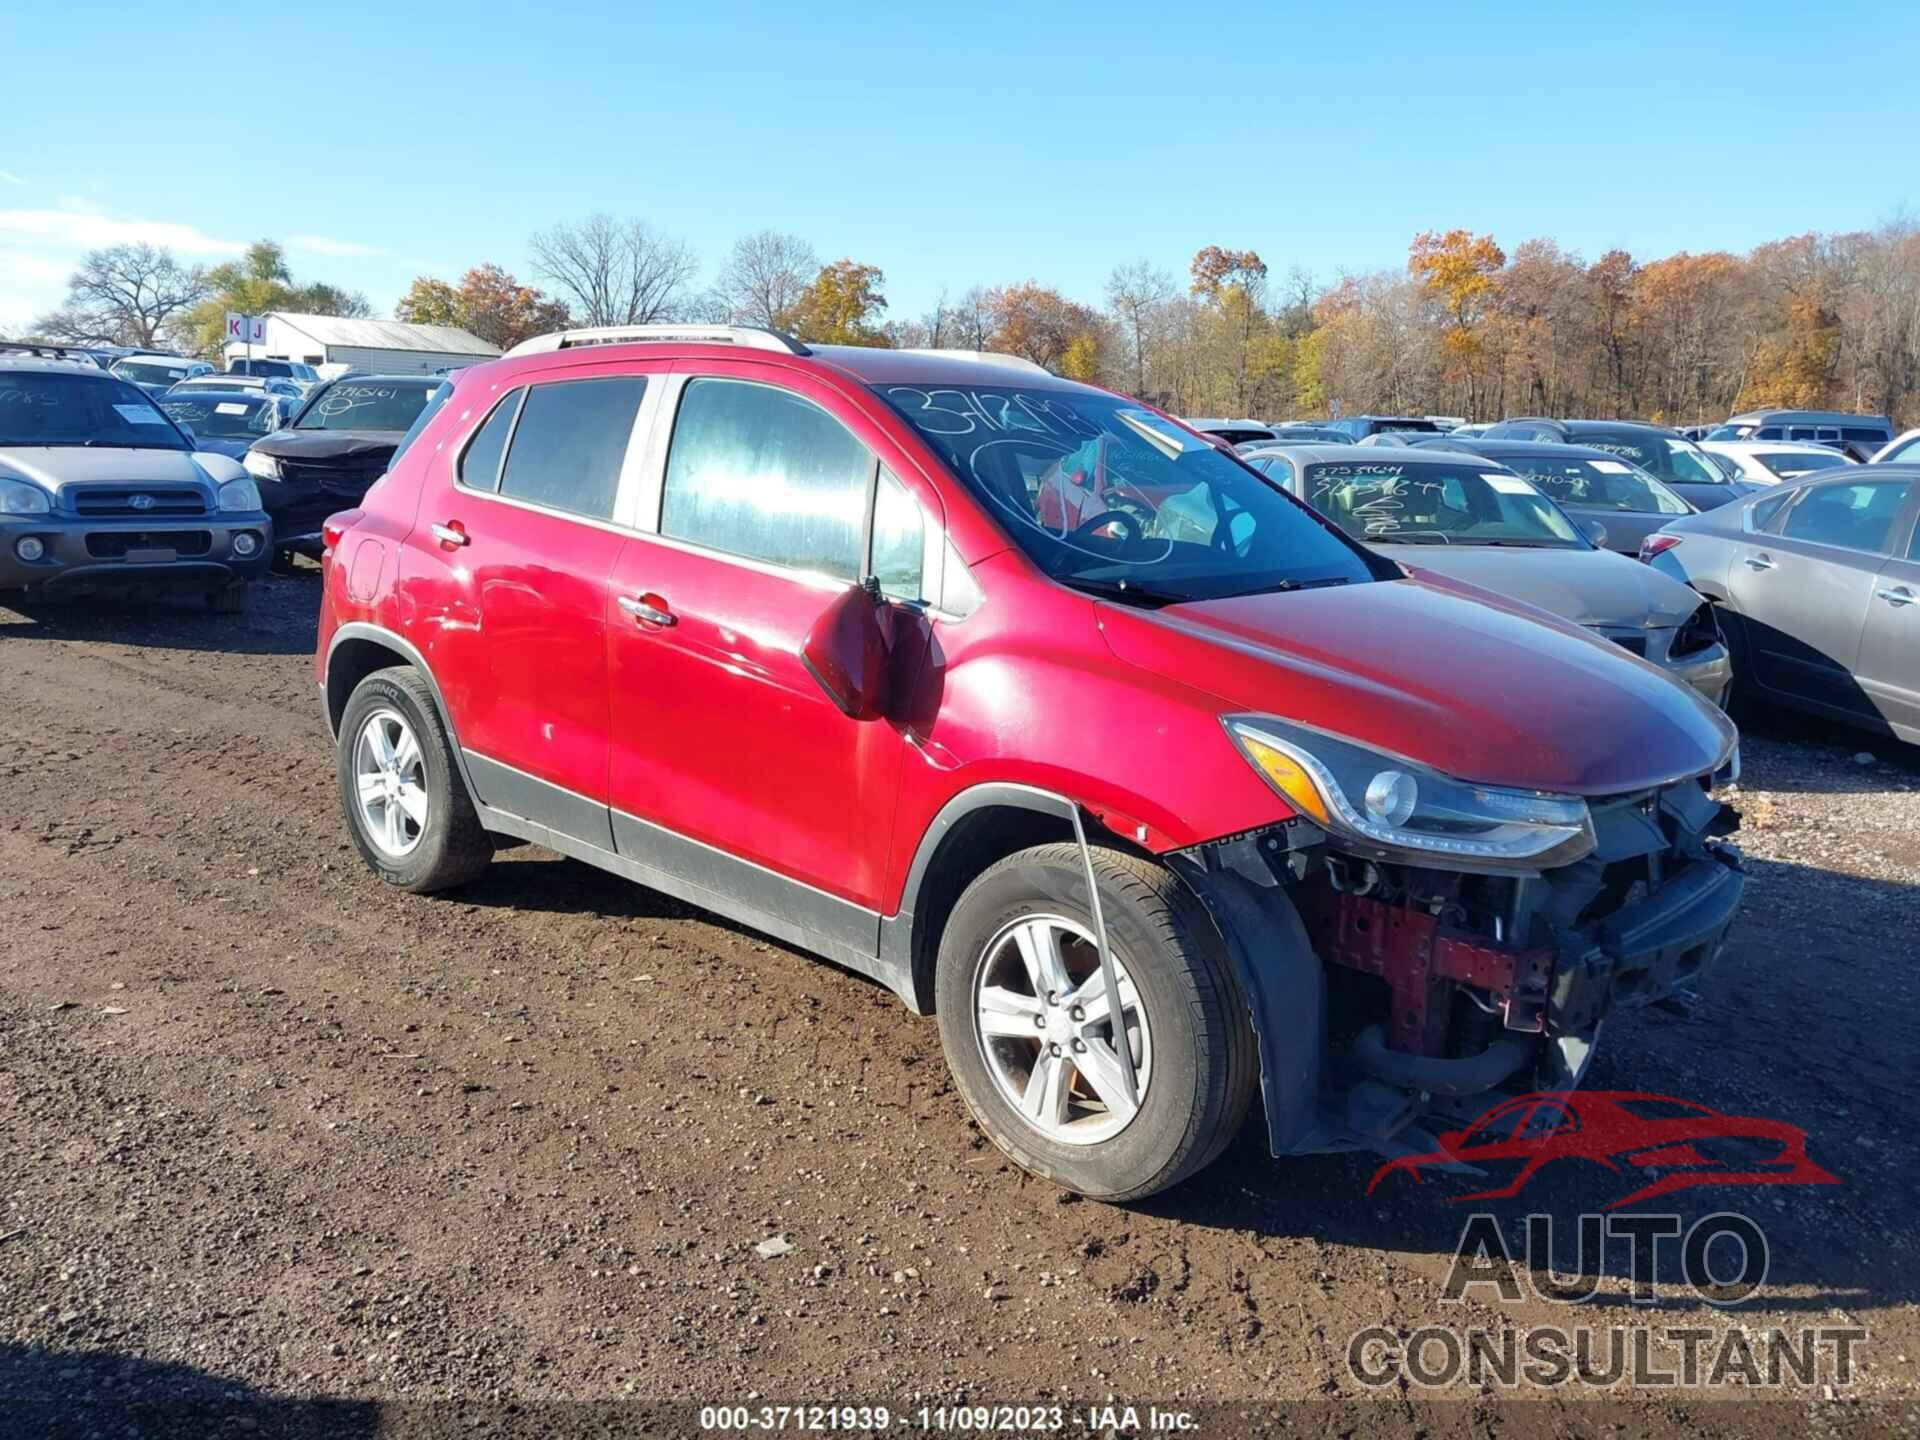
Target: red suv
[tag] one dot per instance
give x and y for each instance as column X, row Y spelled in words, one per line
column 1036, row 706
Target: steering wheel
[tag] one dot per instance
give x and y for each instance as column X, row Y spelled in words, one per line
column 1125, row 519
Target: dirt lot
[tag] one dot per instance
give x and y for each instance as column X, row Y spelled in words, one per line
column 268, row 1128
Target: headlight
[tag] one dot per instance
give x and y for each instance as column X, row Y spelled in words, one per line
column 264, row 466
column 1698, row 632
column 1386, row 802
column 242, row 495
column 19, row 498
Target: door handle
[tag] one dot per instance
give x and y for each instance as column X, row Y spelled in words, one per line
column 644, row 608
column 1761, row 562
column 1898, row 595
column 450, row 535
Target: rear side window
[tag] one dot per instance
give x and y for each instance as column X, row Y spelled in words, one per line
column 1872, row 434
column 1856, row 517
column 764, row 474
column 480, row 466
column 570, row 444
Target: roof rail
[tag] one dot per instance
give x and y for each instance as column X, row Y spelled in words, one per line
column 753, row 337
column 985, row 357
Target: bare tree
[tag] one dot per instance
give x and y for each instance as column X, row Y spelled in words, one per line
column 764, row 276
column 970, row 321
column 615, row 272
column 124, row 295
column 1137, row 297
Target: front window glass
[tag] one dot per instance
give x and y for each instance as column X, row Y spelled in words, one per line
column 899, row 540
column 1403, row 503
column 1854, row 517
column 222, row 418
column 762, row 473
column 1598, row 484
column 389, row 405
column 143, row 372
column 1729, row 432
column 45, row 408
column 1116, row 500
column 1788, row 464
column 1674, row 461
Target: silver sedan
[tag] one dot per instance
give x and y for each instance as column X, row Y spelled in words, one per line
column 1471, row 519
column 1818, row 585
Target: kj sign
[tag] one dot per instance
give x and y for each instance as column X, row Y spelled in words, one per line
column 246, row 329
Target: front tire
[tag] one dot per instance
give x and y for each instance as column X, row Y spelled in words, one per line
column 406, row 804
column 1023, row 1020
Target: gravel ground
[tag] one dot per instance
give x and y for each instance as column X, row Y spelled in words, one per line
column 274, row 1132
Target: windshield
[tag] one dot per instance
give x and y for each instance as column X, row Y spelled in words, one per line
column 1675, row 461
column 1598, row 484
column 1117, row 500
column 1788, row 464
column 368, row 405
column 222, row 418
column 1389, row 502
column 1730, row 432
column 150, row 372
column 43, row 408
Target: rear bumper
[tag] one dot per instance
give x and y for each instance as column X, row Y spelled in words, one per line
column 189, row 551
column 1708, row 671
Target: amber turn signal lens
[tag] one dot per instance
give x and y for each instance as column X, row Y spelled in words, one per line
column 1288, row 777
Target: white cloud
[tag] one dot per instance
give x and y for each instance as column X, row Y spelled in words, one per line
column 11, row 177
column 85, row 230
column 322, row 245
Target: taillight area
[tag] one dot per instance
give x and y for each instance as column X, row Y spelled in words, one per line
column 335, row 527
column 1657, row 543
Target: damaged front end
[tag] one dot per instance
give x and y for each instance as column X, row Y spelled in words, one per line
column 1384, row 991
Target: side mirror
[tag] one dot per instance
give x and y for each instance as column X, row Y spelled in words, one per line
column 1596, row 532
column 847, row 653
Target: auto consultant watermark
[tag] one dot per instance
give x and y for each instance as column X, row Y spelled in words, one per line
column 1645, row 1146
column 1723, row 1261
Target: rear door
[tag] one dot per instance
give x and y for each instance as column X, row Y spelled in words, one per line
column 730, row 766
column 1804, row 589
column 1889, row 668
column 525, row 534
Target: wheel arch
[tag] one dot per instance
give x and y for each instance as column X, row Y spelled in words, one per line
column 979, row 827
column 359, row 649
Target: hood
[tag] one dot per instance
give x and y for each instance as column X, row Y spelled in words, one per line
column 312, row 445
column 1477, row 687
column 51, row 466
column 1588, row 587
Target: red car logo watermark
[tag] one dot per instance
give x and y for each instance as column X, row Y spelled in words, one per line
column 1626, row 1132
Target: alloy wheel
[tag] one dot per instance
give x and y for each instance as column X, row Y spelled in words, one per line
column 390, row 780
column 1042, row 1013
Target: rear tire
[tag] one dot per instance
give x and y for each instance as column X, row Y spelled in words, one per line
column 411, row 819
column 1196, row 1063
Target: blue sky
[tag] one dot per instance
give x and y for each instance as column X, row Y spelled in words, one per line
column 950, row 145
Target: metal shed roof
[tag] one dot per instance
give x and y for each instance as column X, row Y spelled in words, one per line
column 386, row 334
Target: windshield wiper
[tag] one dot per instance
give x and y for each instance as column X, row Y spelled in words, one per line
column 1282, row 587
column 1520, row 544
column 1128, row 592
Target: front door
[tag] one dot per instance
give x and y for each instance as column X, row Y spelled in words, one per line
column 731, row 768
column 1804, row 590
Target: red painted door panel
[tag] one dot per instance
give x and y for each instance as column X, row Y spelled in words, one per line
column 720, row 734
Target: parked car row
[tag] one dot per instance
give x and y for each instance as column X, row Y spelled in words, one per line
column 1157, row 777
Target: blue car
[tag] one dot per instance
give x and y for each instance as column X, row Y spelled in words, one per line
column 226, row 422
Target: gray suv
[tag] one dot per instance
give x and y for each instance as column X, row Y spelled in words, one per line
column 100, row 490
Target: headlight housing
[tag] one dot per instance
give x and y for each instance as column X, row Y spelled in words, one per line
column 1387, row 804
column 19, row 498
column 263, row 466
column 241, row 495
column 1699, row 631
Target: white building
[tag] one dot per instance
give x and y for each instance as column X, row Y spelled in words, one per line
column 372, row 347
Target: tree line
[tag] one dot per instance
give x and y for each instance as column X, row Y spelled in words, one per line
column 1466, row 327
